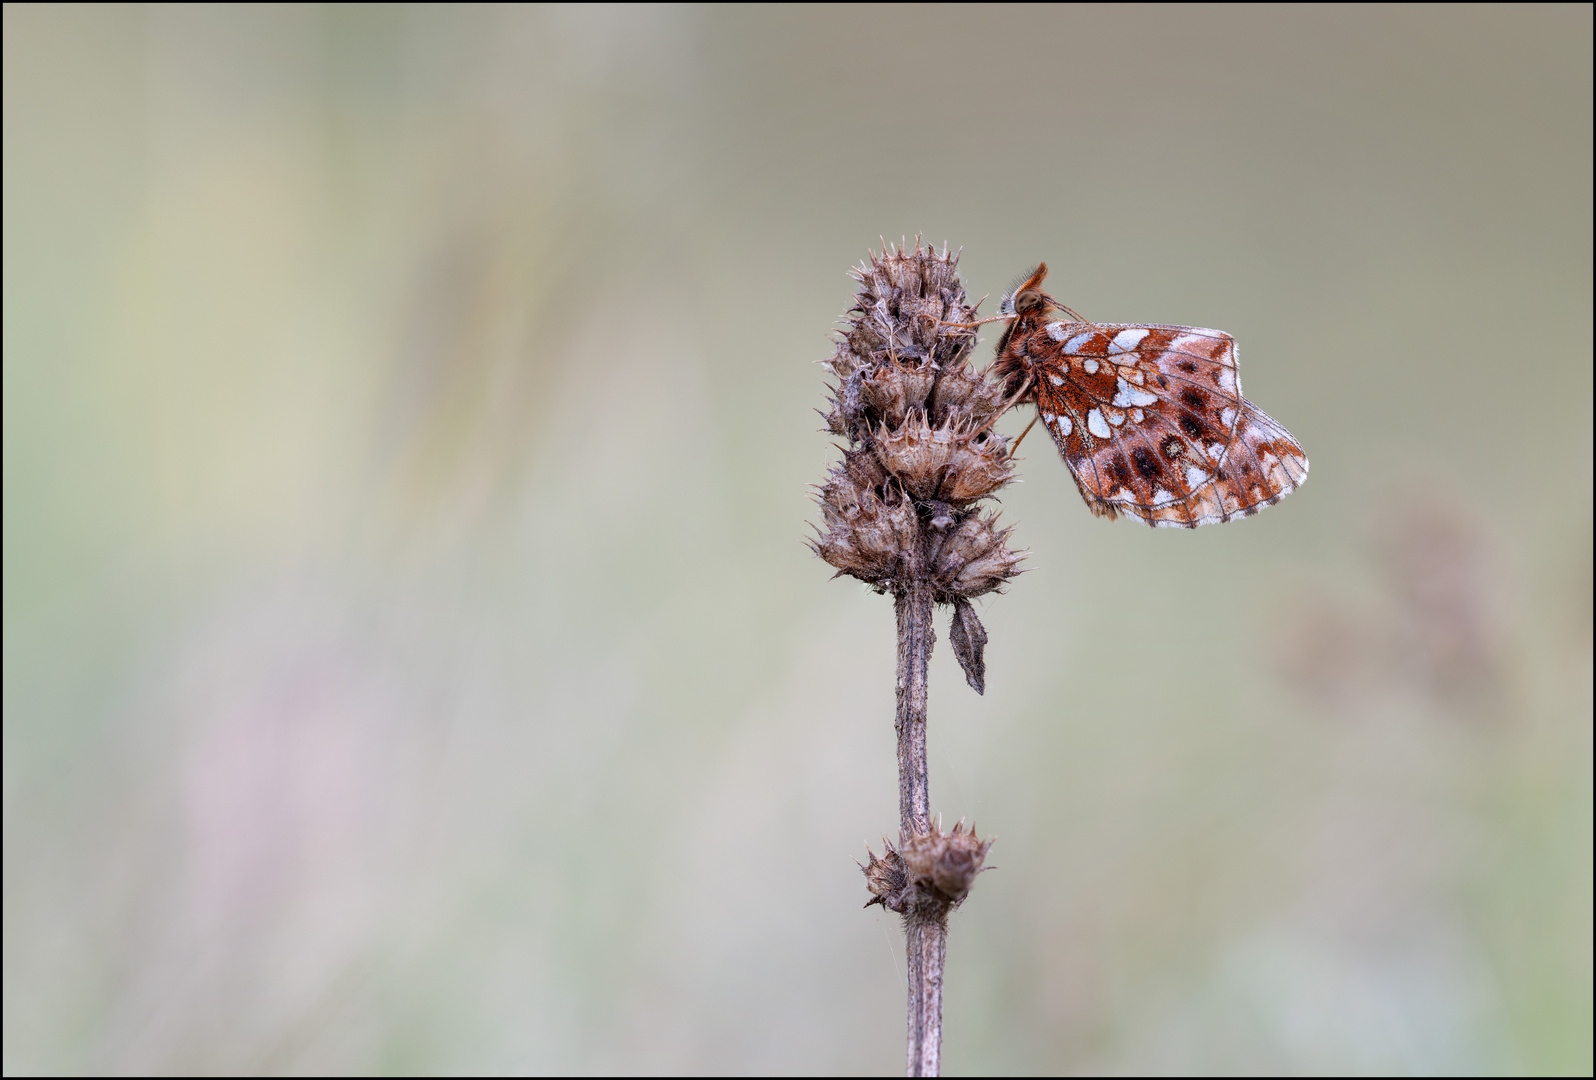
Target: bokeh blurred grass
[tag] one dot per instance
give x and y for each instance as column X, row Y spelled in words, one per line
column 411, row 661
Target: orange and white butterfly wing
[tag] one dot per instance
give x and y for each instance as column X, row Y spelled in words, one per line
column 1151, row 421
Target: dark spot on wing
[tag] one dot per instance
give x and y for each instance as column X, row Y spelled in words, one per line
column 1173, row 448
column 1121, row 472
column 1191, row 425
column 1194, row 399
column 1146, row 464
column 1163, row 383
column 1188, row 367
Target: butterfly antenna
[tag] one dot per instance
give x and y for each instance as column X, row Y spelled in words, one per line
column 1071, row 312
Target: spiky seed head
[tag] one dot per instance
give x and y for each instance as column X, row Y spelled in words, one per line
column 965, row 398
column 972, row 559
column 976, row 469
column 887, row 879
column 945, row 862
column 905, row 399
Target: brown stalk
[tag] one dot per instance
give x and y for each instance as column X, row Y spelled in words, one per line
column 925, row 924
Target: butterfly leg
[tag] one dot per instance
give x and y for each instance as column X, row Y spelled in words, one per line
column 1024, row 433
column 1007, row 405
column 978, row 322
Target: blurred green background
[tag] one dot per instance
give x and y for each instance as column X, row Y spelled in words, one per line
column 411, row 659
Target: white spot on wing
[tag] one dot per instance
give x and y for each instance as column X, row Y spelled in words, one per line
column 1126, row 395
column 1115, row 416
column 1090, row 366
column 1125, row 341
column 1096, row 425
column 1055, row 380
column 1064, row 425
column 1073, row 345
column 1056, row 331
column 1195, row 477
column 1229, row 377
column 1138, row 416
column 1048, row 418
column 1228, row 417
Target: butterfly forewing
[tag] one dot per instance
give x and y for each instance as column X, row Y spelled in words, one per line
column 1152, row 422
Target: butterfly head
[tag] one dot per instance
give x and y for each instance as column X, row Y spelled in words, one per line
column 1025, row 296
column 1026, row 307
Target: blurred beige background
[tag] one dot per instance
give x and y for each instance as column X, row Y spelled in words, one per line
column 411, row 660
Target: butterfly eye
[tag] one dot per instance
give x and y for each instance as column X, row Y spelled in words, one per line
column 1028, row 300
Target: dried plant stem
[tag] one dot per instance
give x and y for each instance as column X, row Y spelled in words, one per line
column 902, row 513
column 926, row 938
column 915, row 638
column 925, row 925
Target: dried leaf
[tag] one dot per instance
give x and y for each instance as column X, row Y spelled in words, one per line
column 969, row 644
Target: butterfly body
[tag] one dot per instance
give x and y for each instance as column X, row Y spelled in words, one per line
column 1149, row 418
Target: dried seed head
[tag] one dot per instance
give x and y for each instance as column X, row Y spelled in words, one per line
column 917, row 454
column 943, row 463
column 895, row 390
column 846, row 415
column 945, row 864
column 972, row 559
column 976, row 469
column 887, row 880
column 967, row 399
column 917, row 421
column 902, row 295
column 867, row 536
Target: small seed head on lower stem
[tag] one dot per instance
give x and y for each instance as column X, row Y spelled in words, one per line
column 945, row 864
column 930, row 871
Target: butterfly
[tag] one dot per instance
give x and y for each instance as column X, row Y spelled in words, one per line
column 1150, row 419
